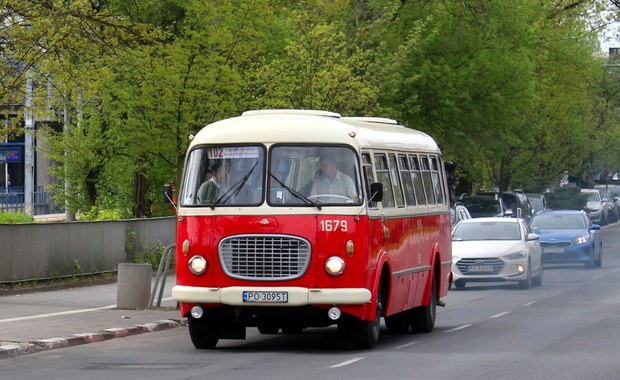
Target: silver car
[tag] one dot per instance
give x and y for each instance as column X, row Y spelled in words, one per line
column 596, row 207
column 496, row 250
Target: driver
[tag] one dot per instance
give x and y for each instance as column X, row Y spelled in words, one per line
column 331, row 181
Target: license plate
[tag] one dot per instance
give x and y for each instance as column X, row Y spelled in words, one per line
column 553, row 250
column 480, row 268
column 265, row 297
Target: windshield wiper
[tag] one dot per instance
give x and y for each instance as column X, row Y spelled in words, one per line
column 295, row 193
column 234, row 189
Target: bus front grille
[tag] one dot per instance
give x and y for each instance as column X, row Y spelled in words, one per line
column 264, row 257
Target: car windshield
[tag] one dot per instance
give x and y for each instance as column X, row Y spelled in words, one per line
column 558, row 222
column 487, row 231
column 536, row 203
column 592, row 196
column 482, row 205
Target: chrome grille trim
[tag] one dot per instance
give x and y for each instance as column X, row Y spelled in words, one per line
column 264, row 257
column 498, row 264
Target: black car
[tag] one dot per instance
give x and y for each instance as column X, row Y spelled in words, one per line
column 516, row 201
column 484, row 205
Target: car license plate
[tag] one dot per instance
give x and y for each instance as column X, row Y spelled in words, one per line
column 265, row 297
column 480, row 268
column 553, row 250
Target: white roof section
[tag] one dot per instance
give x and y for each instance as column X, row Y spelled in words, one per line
column 314, row 126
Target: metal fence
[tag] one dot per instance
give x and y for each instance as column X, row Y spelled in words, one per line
column 36, row 251
column 12, row 200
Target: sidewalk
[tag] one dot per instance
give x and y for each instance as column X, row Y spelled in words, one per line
column 47, row 320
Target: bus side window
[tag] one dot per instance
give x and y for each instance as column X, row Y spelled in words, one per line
column 426, row 179
column 396, row 184
column 368, row 177
column 383, row 176
column 405, row 174
column 416, row 177
column 437, row 182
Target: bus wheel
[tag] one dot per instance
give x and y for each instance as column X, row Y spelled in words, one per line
column 365, row 334
column 397, row 323
column 205, row 332
column 423, row 317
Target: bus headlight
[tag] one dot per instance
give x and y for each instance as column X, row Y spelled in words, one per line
column 334, row 266
column 197, row 265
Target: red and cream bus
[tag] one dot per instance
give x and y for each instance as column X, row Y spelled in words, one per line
column 289, row 219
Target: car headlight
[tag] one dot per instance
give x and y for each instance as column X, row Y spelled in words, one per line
column 334, row 266
column 197, row 265
column 516, row 255
column 581, row 240
column 455, row 259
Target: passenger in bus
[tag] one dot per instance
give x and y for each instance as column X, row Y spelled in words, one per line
column 331, row 181
column 209, row 190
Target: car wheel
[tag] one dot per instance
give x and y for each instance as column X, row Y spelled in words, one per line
column 459, row 284
column 527, row 283
column 599, row 262
column 538, row 280
column 591, row 263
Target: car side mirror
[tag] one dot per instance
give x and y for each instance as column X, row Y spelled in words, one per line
column 532, row 236
column 376, row 192
column 595, row 227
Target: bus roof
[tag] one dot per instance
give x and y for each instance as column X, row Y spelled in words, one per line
column 314, row 126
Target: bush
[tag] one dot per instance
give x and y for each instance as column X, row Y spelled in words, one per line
column 15, row 217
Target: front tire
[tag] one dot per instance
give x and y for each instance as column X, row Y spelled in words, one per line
column 538, row 280
column 365, row 334
column 527, row 283
column 423, row 317
column 204, row 332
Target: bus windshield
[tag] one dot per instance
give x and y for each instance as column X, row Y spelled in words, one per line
column 297, row 175
column 224, row 176
column 313, row 175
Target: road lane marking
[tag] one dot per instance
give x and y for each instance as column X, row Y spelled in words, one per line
column 405, row 345
column 500, row 314
column 599, row 276
column 347, row 362
column 68, row 312
column 457, row 328
column 529, row 303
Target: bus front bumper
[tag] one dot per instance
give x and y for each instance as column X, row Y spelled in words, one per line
column 296, row 296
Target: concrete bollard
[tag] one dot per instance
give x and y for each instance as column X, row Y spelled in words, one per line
column 134, row 286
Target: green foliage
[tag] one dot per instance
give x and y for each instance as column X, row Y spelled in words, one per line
column 153, row 257
column 15, row 217
column 513, row 91
column 566, row 198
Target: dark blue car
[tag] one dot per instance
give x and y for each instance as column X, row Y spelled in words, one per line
column 568, row 236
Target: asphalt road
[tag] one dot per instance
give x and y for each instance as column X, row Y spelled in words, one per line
column 569, row 328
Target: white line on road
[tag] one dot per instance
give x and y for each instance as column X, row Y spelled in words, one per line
column 500, row 314
column 457, row 328
column 68, row 312
column 405, row 345
column 599, row 276
column 347, row 362
column 529, row 303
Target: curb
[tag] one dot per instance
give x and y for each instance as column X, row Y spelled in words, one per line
column 12, row 349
